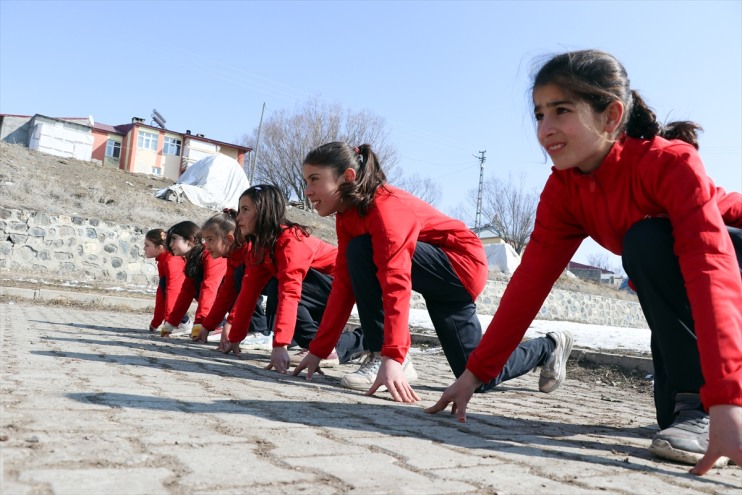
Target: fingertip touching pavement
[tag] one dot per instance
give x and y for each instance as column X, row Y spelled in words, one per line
column 92, row 403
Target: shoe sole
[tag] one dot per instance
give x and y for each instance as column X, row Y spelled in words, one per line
column 663, row 449
column 569, row 342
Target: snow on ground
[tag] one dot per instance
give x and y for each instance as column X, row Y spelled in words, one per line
column 597, row 337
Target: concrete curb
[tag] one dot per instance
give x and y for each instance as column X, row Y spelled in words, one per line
column 601, row 358
column 629, row 363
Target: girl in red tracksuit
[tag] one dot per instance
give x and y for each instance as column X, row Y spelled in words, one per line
column 390, row 243
column 219, row 240
column 302, row 266
column 171, row 275
column 203, row 273
column 621, row 178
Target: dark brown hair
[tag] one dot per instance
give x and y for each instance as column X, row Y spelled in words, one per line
column 158, row 237
column 270, row 220
column 598, row 78
column 222, row 224
column 369, row 174
column 194, row 262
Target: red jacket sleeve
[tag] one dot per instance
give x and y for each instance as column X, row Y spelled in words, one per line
column 710, row 271
column 339, row 303
column 730, row 207
column 255, row 278
column 225, row 297
column 393, row 239
column 293, row 257
column 183, row 302
column 553, row 243
column 214, row 270
column 174, row 277
column 159, row 314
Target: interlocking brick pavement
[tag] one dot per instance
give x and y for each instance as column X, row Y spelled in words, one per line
column 92, row 403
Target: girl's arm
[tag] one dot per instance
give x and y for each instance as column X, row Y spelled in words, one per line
column 174, row 278
column 554, row 241
column 182, row 302
column 293, row 259
column 255, row 278
column 159, row 314
column 709, row 267
column 223, row 301
column 730, row 207
column 394, row 232
column 339, row 303
column 214, row 270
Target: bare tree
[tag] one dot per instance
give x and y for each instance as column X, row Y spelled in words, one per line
column 287, row 137
column 510, row 209
column 599, row 260
column 424, row 188
column 603, row 261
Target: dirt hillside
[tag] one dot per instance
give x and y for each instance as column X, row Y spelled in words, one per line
column 37, row 181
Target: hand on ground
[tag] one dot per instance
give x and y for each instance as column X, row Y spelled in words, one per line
column 459, row 392
column 725, row 437
column 309, row 363
column 233, row 347
column 392, row 376
column 280, row 360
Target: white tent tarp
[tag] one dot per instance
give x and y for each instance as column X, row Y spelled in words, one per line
column 502, row 256
column 216, row 182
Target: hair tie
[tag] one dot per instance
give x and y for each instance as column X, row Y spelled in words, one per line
column 163, row 235
column 357, row 150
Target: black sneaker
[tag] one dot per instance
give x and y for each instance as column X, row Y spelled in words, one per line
column 687, row 438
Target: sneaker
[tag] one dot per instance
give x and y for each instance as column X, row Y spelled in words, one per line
column 365, row 376
column 687, row 438
column 215, row 336
column 329, row 362
column 186, row 327
column 258, row 341
column 554, row 371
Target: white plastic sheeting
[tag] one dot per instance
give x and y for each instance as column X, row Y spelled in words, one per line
column 502, row 256
column 56, row 139
column 216, row 182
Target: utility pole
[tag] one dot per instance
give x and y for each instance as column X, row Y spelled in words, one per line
column 257, row 144
column 478, row 217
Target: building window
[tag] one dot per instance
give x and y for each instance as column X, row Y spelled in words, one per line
column 147, row 140
column 156, row 171
column 171, row 146
column 113, row 148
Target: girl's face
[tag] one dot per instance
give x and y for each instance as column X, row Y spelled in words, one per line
column 180, row 246
column 570, row 131
column 322, row 188
column 247, row 216
column 216, row 244
column 151, row 250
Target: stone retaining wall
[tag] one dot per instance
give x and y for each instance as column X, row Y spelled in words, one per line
column 85, row 248
column 91, row 249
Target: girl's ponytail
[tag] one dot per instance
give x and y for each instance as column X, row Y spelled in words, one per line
column 369, row 178
column 642, row 123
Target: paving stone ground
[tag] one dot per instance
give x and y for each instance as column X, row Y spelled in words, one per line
column 92, row 403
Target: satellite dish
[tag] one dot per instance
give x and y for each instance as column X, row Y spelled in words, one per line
column 157, row 117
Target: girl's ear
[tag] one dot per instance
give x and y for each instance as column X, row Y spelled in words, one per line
column 230, row 237
column 613, row 116
column 349, row 175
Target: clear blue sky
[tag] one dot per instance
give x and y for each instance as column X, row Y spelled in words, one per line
column 450, row 78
